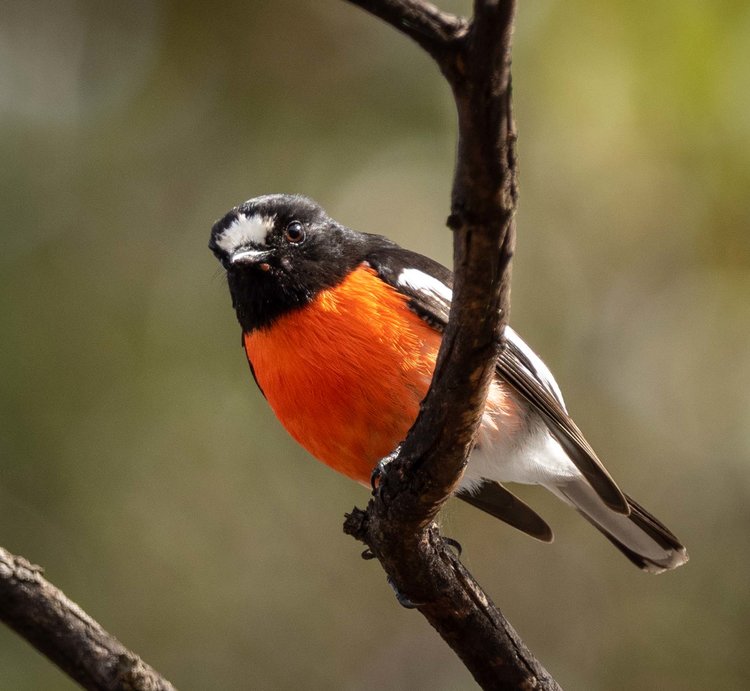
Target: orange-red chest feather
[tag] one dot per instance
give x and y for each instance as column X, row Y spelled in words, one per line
column 346, row 373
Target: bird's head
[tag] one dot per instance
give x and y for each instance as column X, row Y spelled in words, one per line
column 279, row 252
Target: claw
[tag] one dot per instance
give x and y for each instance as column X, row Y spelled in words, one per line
column 404, row 601
column 379, row 470
column 455, row 544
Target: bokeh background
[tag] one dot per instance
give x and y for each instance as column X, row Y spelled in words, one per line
column 140, row 466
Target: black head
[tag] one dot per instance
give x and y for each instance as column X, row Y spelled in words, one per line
column 280, row 251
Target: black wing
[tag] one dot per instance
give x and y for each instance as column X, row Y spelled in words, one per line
column 513, row 367
column 499, row 502
column 428, row 286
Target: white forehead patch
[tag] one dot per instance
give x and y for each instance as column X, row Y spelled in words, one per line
column 420, row 281
column 245, row 230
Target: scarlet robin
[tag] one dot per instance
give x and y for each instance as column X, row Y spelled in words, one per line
column 342, row 329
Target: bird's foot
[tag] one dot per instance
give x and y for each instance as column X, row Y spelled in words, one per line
column 404, row 601
column 379, row 470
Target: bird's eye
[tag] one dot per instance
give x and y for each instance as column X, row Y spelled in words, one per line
column 294, row 233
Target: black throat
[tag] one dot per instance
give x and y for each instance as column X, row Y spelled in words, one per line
column 263, row 293
column 259, row 300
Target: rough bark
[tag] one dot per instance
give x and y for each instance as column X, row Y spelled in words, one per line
column 398, row 524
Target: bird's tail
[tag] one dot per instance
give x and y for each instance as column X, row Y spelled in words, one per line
column 641, row 537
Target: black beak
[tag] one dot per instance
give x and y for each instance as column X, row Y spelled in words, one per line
column 248, row 257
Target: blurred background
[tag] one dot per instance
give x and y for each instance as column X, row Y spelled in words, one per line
column 141, row 467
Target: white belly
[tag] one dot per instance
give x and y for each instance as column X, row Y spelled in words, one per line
column 524, row 452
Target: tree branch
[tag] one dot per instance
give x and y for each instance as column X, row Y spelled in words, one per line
column 397, row 525
column 433, row 29
column 61, row 630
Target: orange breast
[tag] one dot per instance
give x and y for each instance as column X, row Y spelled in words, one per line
column 345, row 375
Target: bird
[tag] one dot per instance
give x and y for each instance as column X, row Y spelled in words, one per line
column 341, row 330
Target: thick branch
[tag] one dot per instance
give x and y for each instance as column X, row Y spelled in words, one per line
column 482, row 217
column 397, row 525
column 475, row 57
column 58, row 628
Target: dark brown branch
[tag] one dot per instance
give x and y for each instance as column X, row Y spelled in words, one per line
column 398, row 523
column 429, row 26
column 58, row 628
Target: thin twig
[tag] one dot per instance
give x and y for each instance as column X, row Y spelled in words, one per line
column 61, row 630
